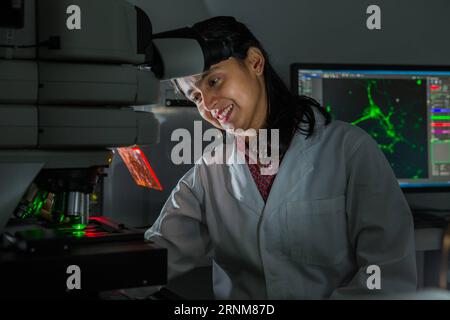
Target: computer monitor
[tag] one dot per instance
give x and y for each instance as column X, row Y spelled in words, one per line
column 406, row 109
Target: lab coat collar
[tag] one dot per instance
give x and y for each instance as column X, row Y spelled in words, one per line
column 295, row 164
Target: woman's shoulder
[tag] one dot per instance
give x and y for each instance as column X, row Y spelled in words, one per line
column 347, row 131
column 353, row 138
column 342, row 127
column 344, row 137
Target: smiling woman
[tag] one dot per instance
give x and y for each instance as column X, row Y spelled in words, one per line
column 231, row 95
column 308, row 231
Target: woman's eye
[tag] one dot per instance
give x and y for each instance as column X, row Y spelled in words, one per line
column 196, row 97
column 212, row 82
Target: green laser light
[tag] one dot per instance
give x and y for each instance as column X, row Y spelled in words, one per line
column 79, row 226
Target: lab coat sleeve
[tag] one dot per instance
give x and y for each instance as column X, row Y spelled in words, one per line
column 380, row 226
column 181, row 227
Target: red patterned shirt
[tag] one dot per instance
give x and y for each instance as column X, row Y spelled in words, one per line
column 263, row 182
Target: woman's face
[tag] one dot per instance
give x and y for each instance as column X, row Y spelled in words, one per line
column 231, row 95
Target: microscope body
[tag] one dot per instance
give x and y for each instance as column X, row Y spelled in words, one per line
column 70, row 74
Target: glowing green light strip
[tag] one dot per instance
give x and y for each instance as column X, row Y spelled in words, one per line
column 440, row 117
column 78, row 234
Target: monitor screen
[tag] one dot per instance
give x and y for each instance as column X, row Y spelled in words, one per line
column 405, row 109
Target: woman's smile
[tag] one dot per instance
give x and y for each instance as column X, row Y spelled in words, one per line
column 223, row 115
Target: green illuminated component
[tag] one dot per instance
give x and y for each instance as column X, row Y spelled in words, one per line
column 79, row 226
column 419, row 82
column 59, row 207
column 38, row 202
column 78, row 234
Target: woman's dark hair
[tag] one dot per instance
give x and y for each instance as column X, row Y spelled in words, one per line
column 287, row 112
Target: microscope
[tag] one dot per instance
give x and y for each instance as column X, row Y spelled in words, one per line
column 70, row 74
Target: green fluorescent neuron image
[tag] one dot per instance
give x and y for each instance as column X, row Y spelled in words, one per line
column 391, row 111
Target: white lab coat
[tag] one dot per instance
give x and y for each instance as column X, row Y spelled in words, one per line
column 335, row 208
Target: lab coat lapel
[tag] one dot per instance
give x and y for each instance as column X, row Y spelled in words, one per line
column 241, row 184
column 294, row 166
